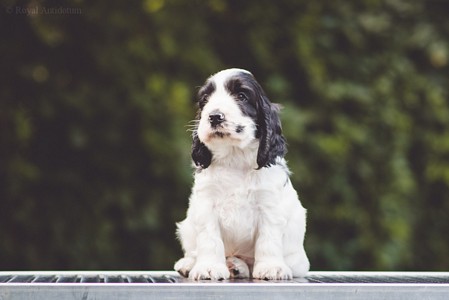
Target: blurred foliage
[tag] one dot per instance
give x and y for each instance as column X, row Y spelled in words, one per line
column 94, row 102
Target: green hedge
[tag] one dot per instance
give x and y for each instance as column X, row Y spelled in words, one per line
column 95, row 102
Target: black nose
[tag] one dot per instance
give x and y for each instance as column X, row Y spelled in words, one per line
column 216, row 118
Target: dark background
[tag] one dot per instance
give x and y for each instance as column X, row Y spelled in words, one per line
column 95, row 99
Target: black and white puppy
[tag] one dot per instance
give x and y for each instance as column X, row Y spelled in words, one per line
column 244, row 216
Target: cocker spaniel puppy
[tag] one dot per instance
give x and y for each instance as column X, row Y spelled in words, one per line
column 244, row 217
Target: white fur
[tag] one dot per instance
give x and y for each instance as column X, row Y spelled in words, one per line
column 240, row 218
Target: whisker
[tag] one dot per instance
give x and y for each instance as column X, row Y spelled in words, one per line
column 192, row 126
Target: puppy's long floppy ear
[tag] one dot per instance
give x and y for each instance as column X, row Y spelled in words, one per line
column 201, row 155
column 271, row 141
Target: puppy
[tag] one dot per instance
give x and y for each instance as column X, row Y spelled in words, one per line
column 244, row 217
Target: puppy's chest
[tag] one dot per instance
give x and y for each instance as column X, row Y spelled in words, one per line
column 234, row 202
column 236, row 210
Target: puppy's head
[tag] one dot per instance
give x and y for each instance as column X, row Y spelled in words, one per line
column 235, row 112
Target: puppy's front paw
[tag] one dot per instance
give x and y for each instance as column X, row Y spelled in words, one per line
column 272, row 271
column 237, row 267
column 184, row 265
column 212, row 271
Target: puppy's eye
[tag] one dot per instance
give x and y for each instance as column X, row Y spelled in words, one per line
column 204, row 98
column 242, row 96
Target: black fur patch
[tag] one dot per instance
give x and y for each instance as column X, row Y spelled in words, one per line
column 205, row 91
column 254, row 103
column 243, row 84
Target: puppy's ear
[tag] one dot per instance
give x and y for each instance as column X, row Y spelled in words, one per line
column 272, row 143
column 201, row 155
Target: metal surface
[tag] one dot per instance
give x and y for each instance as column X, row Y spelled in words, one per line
column 169, row 285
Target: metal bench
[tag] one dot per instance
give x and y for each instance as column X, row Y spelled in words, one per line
column 169, row 285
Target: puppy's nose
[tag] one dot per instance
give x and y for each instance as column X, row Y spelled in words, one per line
column 216, row 118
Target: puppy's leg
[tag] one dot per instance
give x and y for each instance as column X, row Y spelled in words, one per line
column 210, row 263
column 237, row 267
column 298, row 262
column 295, row 255
column 187, row 236
column 269, row 261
